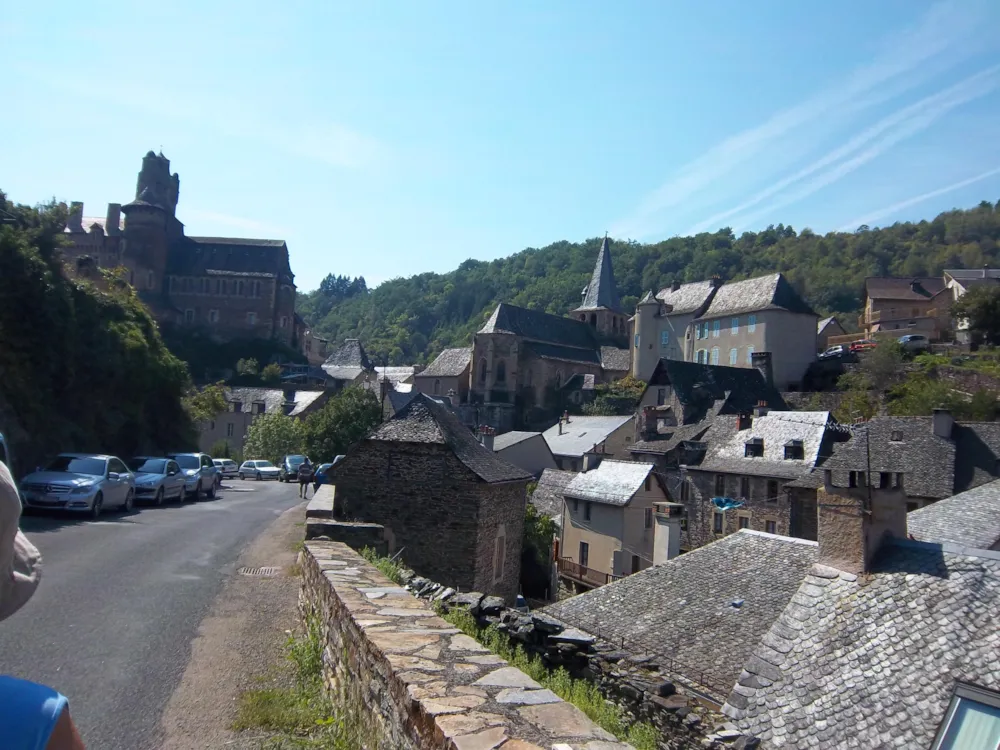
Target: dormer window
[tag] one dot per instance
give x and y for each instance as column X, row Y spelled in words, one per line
column 971, row 719
column 897, row 436
column 754, row 448
column 794, row 450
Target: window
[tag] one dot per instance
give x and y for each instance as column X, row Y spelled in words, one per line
column 239, row 288
column 751, row 323
column 586, row 510
column 972, row 720
column 743, row 521
column 771, row 527
column 648, row 484
column 499, row 556
column 754, row 448
column 684, row 524
column 720, row 485
column 501, row 372
column 437, row 387
column 150, row 280
column 283, row 322
column 584, row 554
column 256, row 289
column 230, row 429
column 772, row 491
column 715, row 355
column 702, row 356
column 213, row 316
column 647, row 518
column 734, row 355
column 685, row 491
column 203, row 286
column 217, row 287
column 852, row 479
column 716, row 328
column 897, row 436
column 794, row 450
column 697, row 330
column 251, row 316
column 482, row 371
column 749, row 355
column 664, row 339
column 745, row 487
column 884, row 479
column 899, row 480
column 661, row 396
column 188, row 285
column 635, row 563
column 237, row 406
column 717, row 522
column 189, row 316
column 576, row 505
column 258, row 407
column 861, row 478
column 636, row 340
column 735, row 327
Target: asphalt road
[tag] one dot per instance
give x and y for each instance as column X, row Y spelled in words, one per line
column 120, row 602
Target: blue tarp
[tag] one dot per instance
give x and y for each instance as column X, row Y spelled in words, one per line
column 726, row 503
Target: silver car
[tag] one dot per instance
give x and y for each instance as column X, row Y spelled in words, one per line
column 80, row 482
column 157, row 479
column 201, row 476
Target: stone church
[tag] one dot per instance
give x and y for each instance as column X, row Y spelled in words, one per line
column 230, row 287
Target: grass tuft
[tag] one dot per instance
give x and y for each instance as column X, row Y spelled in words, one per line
column 391, row 570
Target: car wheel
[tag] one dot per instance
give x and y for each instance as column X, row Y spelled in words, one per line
column 258, row 476
column 129, row 502
column 197, row 491
column 241, row 476
column 210, row 494
column 159, row 497
column 95, row 509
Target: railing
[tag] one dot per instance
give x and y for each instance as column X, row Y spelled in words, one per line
column 902, row 313
column 582, row 573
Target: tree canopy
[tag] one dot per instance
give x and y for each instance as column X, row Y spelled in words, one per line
column 412, row 319
column 272, row 437
column 980, row 307
column 342, row 422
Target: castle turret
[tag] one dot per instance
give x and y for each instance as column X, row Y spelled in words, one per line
column 645, row 351
column 150, row 224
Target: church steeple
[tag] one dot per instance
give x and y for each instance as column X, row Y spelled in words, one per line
column 601, row 292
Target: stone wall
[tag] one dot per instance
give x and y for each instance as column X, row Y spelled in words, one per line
column 501, row 517
column 419, row 683
column 758, row 508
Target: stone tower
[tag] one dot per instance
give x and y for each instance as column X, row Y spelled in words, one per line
column 645, row 336
column 601, row 306
column 150, row 223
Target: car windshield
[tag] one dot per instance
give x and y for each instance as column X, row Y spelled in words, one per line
column 75, row 465
column 295, row 460
column 148, row 465
column 188, row 462
column 265, row 465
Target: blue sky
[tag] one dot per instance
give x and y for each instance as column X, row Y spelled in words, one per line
column 386, row 139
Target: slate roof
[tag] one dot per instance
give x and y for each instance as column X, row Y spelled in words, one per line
column 581, row 434
column 832, row 320
column 878, row 287
column 513, row 437
column 611, row 483
column 685, row 607
column 688, row 298
column 395, row 374
column 540, row 326
column 741, row 388
column 601, row 290
column 581, row 381
column 872, row 661
column 615, row 359
column 549, row 496
column 971, row 274
column 673, row 436
column 773, row 292
column 200, row 256
column 448, row 364
column 563, row 353
column 727, row 445
column 348, row 361
column 969, row 519
column 274, row 399
column 424, row 420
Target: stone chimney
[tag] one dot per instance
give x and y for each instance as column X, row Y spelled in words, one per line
column 675, row 285
column 74, row 222
column 915, row 286
column 486, row 436
column 943, row 423
column 762, row 362
column 648, row 431
column 761, row 409
column 850, row 532
column 114, row 218
column 744, row 422
column 716, row 281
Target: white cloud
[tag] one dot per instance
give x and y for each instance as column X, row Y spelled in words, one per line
column 850, row 226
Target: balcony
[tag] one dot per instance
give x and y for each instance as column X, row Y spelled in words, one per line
column 584, row 575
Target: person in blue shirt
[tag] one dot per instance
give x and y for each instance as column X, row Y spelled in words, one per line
column 32, row 716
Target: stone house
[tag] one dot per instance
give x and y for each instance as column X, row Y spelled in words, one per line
column 726, row 324
column 449, row 372
column 231, row 288
column 246, row 404
column 825, row 329
column 454, row 510
column 349, row 365
column 526, row 450
column 739, row 481
column 607, row 529
column 579, row 443
column 313, row 347
column 907, row 305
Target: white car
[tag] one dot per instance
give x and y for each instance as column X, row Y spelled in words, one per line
column 228, row 469
column 259, row 470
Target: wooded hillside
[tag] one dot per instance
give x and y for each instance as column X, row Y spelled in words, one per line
column 412, row 319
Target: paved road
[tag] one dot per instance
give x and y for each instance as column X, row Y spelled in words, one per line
column 120, row 601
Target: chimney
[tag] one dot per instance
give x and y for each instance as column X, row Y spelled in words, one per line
column 716, row 281
column 760, row 410
column 762, row 362
column 943, row 423
column 849, row 532
column 744, row 422
column 486, row 436
column 560, row 425
column 649, row 423
column 915, row 286
column 566, row 416
column 675, row 285
column 74, row 222
column 114, row 218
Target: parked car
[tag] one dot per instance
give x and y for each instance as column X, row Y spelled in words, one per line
column 290, row 467
column 259, row 470
column 80, row 482
column 834, row 351
column 914, row 342
column 200, row 475
column 863, row 345
column 157, row 479
column 228, row 468
column 320, row 476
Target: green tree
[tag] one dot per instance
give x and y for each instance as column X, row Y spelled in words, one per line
column 536, row 552
column 980, row 307
column 247, row 366
column 203, row 404
column 271, row 374
column 618, row 398
column 344, row 420
column 272, row 437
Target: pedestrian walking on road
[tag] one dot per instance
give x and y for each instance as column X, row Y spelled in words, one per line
column 305, row 474
column 32, row 716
